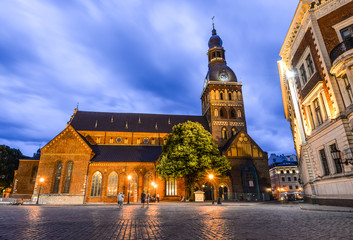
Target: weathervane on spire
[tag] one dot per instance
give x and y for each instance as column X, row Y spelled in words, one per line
column 213, row 22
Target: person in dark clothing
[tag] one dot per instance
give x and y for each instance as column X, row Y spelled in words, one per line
column 143, row 197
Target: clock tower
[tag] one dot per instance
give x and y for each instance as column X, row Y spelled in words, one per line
column 222, row 100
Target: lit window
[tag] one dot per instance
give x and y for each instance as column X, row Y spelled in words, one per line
column 224, row 133
column 113, row 184
column 96, row 184
column 216, row 113
column 239, row 114
column 126, row 141
column 347, row 32
column 57, row 177
column 303, row 74
column 68, row 177
column 111, row 140
column 318, row 112
column 98, row 139
column 234, row 131
column 171, row 187
column 310, row 64
column 138, row 141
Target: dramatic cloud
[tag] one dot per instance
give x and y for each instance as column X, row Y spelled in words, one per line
column 135, row 56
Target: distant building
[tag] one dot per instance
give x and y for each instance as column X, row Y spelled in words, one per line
column 316, row 74
column 284, row 175
column 100, row 154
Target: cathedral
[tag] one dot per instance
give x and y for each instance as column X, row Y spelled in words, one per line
column 100, row 154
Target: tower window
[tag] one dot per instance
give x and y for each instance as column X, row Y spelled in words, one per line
column 232, row 113
column 216, row 113
column 239, row 113
column 221, row 114
column 234, row 131
column 218, row 54
column 221, row 96
column 230, row 96
column 224, row 132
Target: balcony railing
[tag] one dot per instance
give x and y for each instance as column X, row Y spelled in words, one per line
column 341, row 48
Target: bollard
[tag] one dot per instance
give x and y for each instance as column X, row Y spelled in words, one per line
column 219, row 201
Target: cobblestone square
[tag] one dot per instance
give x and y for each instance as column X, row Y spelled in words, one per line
column 177, row 221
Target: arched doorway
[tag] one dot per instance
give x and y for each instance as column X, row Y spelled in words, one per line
column 223, row 191
column 250, row 182
column 208, row 189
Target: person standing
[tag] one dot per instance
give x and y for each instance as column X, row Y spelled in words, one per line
column 158, row 197
column 121, row 199
column 143, row 197
column 148, row 198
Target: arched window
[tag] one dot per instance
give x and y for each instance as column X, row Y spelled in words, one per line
column 57, row 177
column 239, row 95
column 216, row 112
column 147, row 183
column 223, row 113
column 113, row 184
column 221, row 95
column 230, row 96
column 68, row 177
column 96, row 184
column 239, row 114
column 234, row 131
column 217, row 94
column 232, row 114
column 224, row 132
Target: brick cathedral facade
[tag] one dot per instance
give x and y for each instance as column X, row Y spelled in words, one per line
column 101, row 154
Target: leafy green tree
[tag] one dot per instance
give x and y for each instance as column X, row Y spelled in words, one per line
column 8, row 164
column 190, row 153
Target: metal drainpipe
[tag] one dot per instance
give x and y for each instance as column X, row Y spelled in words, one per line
column 84, row 195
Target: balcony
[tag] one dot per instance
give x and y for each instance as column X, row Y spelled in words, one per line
column 341, row 48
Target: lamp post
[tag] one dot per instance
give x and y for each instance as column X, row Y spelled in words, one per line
column 211, row 177
column 155, row 190
column 128, row 193
column 41, row 180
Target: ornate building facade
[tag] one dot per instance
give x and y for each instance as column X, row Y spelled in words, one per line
column 101, row 154
column 316, row 74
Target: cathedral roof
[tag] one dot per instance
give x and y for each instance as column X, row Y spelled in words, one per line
column 113, row 153
column 131, row 122
column 215, row 40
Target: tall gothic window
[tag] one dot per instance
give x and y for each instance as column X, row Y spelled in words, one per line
column 113, row 184
column 96, row 184
column 221, row 95
column 171, row 187
column 68, row 177
column 57, row 177
column 232, row 114
column 239, row 114
column 318, row 112
column 234, row 131
column 230, row 96
column 147, row 183
column 310, row 113
column 224, row 132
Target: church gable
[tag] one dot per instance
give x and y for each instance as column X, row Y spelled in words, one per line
column 242, row 145
column 68, row 141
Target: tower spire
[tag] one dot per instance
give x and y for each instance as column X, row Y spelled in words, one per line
column 213, row 29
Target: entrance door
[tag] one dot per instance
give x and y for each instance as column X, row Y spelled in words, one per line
column 208, row 189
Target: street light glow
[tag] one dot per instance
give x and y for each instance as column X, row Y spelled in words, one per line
column 41, row 180
column 210, row 176
column 129, row 177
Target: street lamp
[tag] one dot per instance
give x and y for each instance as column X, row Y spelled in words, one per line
column 211, row 177
column 155, row 190
column 128, row 193
column 41, row 180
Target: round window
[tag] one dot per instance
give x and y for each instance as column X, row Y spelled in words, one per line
column 118, row 140
column 145, row 140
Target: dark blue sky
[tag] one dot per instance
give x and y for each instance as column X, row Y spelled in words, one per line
column 135, row 56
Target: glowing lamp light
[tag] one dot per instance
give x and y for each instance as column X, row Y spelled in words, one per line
column 152, row 183
column 41, row 180
column 155, row 185
column 129, row 177
column 210, row 176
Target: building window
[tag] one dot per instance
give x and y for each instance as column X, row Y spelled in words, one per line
column 287, row 171
column 34, row 174
column 234, row 131
column 302, row 72
column 282, row 171
column 224, row 132
column 296, row 187
column 68, row 177
column 232, row 114
column 98, row 139
column 113, row 184
column 336, row 161
column 239, row 114
column 216, row 113
column 295, row 178
column 230, row 96
column 221, row 114
column 347, row 32
column 239, row 95
column 293, row 171
column 348, row 88
column 221, row 96
column 290, row 187
column 153, row 141
column 289, row 179
column 138, row 141
column 324, row 162
column 171, row 187
column 96, row 184
column 310, row 64
column 283, row 179
column 57, row 177
column 126, row 141
column 111, row 140
column 318, row 112
column 311, row 119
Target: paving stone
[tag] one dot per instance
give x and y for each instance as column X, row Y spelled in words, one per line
column 175, row 221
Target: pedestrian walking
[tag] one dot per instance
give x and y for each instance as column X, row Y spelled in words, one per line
column 148, row 198
column 143, row 197
column 158, row 197
column 121, row 199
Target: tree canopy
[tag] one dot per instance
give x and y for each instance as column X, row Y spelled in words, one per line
column 8, row 164
column 190, row 153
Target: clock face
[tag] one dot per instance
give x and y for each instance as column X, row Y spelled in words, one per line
column 223, row 77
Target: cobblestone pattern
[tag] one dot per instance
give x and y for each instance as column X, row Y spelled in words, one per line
column 173, row 221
